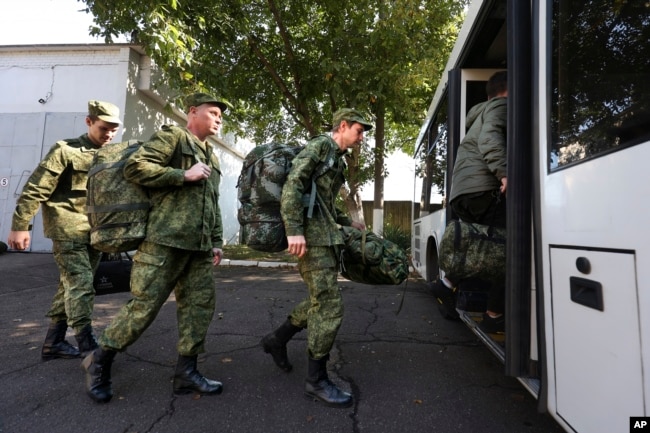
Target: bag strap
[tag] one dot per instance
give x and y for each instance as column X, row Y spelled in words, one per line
column 318, row 172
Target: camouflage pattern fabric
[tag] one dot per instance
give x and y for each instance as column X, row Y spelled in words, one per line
column 259, row 190
column 361, row 246
column 75, row 295
column 322, row 311
column 473, row 250
column 157, row 271
column 182, row 215
column 117, row 209
column 322, row 228
column 183, row 227
column 369, row 259
column 58, row 185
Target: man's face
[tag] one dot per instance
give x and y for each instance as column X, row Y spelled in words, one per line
column 351, row 134
column 206, row 120
column 100, row 132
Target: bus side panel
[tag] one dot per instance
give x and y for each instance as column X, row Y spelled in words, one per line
column 427, row 231
column 595, row 228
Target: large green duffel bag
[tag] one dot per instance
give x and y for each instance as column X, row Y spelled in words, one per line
column 369, row 259
column 473, row 250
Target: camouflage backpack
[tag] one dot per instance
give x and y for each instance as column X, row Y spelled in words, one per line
column 370, row 259
column 117, row 209
column 473, row 250
column 259, row 190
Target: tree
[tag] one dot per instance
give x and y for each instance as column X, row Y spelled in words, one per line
column 287, row 66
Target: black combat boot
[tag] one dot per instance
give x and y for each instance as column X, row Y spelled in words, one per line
column 55, row 345
column 98, row 374
column 319, row 387
column 86, row 340
column 275, row 343
column 187, row 378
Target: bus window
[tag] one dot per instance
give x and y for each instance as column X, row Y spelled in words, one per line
column 431, row 160
column 600, row 78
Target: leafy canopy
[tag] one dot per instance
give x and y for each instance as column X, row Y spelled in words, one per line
column 286, row 66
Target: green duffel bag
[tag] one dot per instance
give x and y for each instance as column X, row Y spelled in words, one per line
column 473, row 250
column 369, row 259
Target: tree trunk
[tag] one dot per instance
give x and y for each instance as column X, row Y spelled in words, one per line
column 378, row 204
column 350, row 194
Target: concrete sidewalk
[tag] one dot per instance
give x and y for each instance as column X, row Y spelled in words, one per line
column 409, row 369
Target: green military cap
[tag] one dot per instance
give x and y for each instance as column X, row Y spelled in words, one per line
column 351, row 115
column 104, row 111
column 196, row 99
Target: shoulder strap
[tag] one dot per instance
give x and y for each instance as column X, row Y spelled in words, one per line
column 320, row 170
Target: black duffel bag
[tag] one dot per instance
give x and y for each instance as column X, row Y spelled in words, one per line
column 113, row 274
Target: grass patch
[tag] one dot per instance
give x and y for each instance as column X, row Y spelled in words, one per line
column 242, row 252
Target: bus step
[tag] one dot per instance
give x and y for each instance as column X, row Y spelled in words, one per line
column 494, row 342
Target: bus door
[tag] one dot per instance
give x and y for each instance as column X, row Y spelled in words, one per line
column 469, row 90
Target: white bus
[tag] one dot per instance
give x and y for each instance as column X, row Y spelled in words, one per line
column 578, row 238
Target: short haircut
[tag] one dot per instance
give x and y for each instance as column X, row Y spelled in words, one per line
column 498, row 83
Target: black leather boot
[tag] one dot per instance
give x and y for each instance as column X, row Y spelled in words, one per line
column 55, row 345
column 275, row 343
column 187, row 378
column 319, row 387
column 86, row 340
column 98, row 374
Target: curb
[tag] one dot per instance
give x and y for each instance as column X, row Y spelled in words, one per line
column 253, row 263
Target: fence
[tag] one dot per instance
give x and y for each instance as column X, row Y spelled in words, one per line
column 396, row 213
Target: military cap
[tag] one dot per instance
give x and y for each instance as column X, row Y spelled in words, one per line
column 351, row 115
column 196, row 99
column 104, row 111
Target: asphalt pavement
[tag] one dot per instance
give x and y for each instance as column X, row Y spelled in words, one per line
column 409, row 369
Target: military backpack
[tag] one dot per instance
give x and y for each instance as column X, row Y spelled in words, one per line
column 259, row 191
column 117, row 208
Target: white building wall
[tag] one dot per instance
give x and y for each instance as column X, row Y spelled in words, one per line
column 44, row 92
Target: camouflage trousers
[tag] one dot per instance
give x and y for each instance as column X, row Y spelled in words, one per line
column 157, row 271
column 322, row 312
column 75, row 295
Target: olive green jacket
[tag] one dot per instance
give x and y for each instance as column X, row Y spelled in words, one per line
column 58, row 184
column 321, row 229
column 183, row 215
column 482, row 157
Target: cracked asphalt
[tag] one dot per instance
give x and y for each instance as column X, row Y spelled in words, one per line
column 409, row 369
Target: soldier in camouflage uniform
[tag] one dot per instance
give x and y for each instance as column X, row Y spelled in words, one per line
column 316, row 241
column 183, row 243
column 58, row 184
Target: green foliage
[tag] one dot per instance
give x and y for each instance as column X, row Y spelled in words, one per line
column 287, row 66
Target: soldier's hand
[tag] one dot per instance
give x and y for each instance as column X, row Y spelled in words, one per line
column 198, row 171
column 19, row 240
column 297, row 245
column 218, row 256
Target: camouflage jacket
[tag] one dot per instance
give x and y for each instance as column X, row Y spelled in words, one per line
column 321, row 229
column 58, row 184
column 183, row 215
